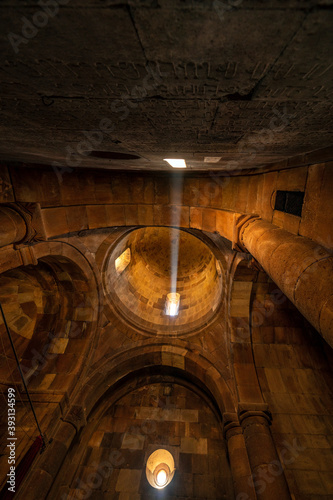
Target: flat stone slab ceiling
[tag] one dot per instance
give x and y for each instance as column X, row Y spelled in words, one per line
column 250, row 84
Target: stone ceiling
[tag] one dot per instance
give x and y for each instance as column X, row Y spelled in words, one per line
column 156, row 246
column 249, row 82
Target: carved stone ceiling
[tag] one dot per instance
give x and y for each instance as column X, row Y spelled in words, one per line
column 249, row 82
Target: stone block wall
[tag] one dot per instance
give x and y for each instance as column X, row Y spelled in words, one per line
column 157, row 416
column 294, row 369
column 30, row 301
column 86, row 200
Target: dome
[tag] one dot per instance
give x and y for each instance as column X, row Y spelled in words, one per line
column 149, row 265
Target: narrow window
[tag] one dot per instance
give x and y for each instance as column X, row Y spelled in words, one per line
column 172, row 304
column 123, row 260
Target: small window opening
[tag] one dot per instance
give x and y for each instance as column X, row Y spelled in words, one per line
column 290, row 202
column 160, row 469
column 122, row 261
column 172, row 304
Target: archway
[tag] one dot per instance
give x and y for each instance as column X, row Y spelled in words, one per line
column 144, row 413
column 52, row 312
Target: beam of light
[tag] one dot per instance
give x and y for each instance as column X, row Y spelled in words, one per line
column 175, row 162
column 176, row 199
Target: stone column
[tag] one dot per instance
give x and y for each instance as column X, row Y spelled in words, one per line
column 12, row 226
column 239, row 460
column 267, row 471
column 301, row 268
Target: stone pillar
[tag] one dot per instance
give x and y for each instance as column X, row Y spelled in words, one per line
column 239, row 460
column 12, row 226
column 267, row 471
column 302, row 269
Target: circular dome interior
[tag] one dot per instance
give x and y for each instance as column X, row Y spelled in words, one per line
column 150, row 263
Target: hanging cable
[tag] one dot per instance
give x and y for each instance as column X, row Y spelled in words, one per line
column 22, row 376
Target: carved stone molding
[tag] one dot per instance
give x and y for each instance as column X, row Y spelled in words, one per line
column 240, row 223
column 254, row 264
column 254, row 413
column 31, row 213
column 27, row 255
column 231, row 425
column 76, row 416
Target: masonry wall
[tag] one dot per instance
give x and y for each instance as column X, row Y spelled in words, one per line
column 294, row 369
column 156, row 416
column 79, row 200
column 280, row 360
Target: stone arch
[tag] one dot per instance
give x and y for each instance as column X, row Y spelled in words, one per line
column 110, row 429
column 66, row 313
column 138, row 214
column 114, row 426
column 53, row 321
column 243, row 276
column 188, row 363
column 192, row 366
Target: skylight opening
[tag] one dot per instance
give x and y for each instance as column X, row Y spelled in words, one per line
column 176, row 163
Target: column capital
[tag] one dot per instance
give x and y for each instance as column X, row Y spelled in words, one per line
column 21, row 224
column 31, row 214
column 258, row 412
column 13, row 227
column 231, row 425
column 76, row 416
column 240, row 223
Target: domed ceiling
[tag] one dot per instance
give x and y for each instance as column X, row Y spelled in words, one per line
column 148, row 264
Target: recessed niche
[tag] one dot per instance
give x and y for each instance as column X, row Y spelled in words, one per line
column 160, row 469
column 290, row 202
